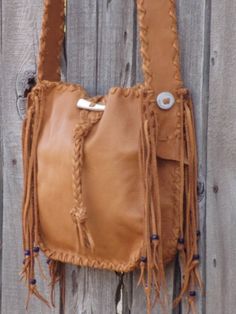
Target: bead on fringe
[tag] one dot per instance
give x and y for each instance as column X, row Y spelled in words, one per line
column 188, row 241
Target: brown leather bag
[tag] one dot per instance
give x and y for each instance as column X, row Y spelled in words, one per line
column 112, row 186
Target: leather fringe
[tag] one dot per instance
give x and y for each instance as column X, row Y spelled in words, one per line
column 189, row 256
column 151, row 264
column 57, row 274
column 152, row 273
column 188, row 241
column 31, row 129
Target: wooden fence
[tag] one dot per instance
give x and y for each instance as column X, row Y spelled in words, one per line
column 102, row 50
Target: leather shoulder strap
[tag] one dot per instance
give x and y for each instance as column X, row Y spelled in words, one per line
column 51, row 41
column 159, row 43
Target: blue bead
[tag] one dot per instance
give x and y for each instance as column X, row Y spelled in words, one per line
column 33, row 282
column 48, row 261
column 155, row 237
column 144, row 259
column 196, row 257
column 27, row 252
column 192, row 293
column 181, row 240
column 36, row 249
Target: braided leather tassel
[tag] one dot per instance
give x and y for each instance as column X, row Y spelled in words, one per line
column 79, row 212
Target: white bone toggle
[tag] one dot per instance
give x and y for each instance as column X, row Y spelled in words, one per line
column 165, row 100
column 88, row 105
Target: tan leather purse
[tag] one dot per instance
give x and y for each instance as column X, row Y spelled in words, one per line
column 110, row 181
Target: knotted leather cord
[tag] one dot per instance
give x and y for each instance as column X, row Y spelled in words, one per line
column 152, row 269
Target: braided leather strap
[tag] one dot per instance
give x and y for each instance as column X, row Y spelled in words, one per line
column 159, row 43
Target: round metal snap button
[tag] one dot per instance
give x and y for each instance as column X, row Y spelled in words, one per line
column 165, row 100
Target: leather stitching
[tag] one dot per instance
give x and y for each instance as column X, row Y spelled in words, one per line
column 175, row 44
column 144, row 44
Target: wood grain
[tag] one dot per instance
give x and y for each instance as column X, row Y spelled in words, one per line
column 221, row 167
column 1, row 154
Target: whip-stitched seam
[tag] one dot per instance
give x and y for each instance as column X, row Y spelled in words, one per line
column 144, row 44
column 175, row 44
column 76, row 259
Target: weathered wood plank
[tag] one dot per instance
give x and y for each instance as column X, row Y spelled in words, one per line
column 1, row 154
column 136, row 294
column 20, row 29
column 194, row 17
column 81, row 43
column 90, row 291
column 221, row 177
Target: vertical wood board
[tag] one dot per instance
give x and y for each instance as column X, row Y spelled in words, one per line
column 20, row 21
column 221, row 175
